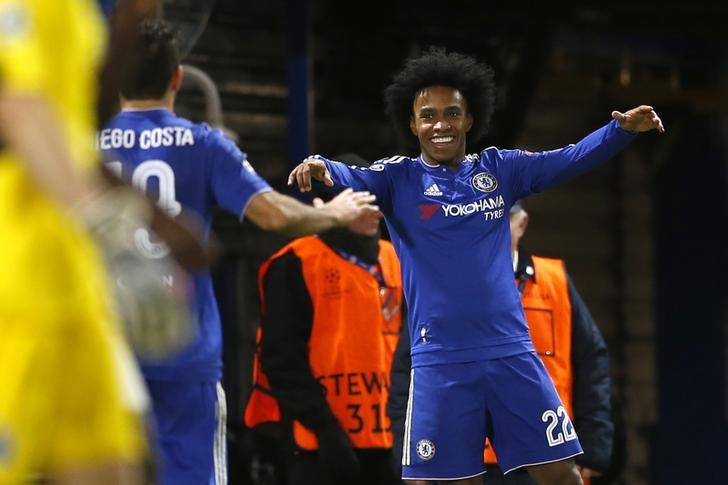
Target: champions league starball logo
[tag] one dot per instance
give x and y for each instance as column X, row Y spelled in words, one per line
column 425, row 449
column 484, row 182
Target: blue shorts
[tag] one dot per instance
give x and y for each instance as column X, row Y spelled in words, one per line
column 190, row 432
column 452, row 408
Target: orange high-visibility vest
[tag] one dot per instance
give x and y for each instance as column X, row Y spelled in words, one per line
column 548, row 313
column 354, row 334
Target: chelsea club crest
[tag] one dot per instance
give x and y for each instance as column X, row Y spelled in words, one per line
column 484, row 182
column 425, row 449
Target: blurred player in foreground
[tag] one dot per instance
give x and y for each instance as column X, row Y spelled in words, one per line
column 71, row 398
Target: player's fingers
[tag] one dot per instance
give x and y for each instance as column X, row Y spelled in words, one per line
column 348, row 192
column 306, row 172
column 621, row 117
column 328, row 181
column 299, row 177
column 292, row 176
column 304, row 178
column 371, row 209
column 364, row 197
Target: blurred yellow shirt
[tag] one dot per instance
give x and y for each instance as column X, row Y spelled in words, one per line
column 51, row 48
column 70, row 391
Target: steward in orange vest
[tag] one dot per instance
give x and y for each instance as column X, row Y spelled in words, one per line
column 331, row 316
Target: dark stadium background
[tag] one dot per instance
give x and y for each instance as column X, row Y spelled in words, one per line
column 643, row 235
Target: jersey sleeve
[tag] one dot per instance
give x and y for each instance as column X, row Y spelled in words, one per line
column 374, row 179
column 533, row 172
column 21, row 61
column 234, row 181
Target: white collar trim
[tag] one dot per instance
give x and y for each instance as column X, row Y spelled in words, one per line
column 428, row 164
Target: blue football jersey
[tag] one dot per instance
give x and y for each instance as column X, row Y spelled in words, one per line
column 452, row 234
column 188, row 168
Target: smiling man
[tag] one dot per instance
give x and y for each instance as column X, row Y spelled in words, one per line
column 475, row 373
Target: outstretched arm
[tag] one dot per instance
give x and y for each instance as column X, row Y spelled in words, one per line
column 273, row 211
column 338, row 175
column 534, row 172
column 239, row 189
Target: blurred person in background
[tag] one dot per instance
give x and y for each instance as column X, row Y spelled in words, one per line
column 190, row 170
column 331, row 314
column 475, row 373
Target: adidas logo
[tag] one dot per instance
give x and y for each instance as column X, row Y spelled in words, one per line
column 433, row 190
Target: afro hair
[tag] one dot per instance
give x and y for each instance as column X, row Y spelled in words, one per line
column 436, row 67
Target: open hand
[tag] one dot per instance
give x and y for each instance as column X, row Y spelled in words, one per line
column 310, row 168
column 366, row 224
column 641, row 118
column 349, row 206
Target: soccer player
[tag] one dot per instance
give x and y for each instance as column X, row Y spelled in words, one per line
column 475, row 373
column 191, row 169
column 71, row 397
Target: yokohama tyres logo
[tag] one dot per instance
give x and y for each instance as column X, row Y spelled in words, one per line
column 484, row 205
